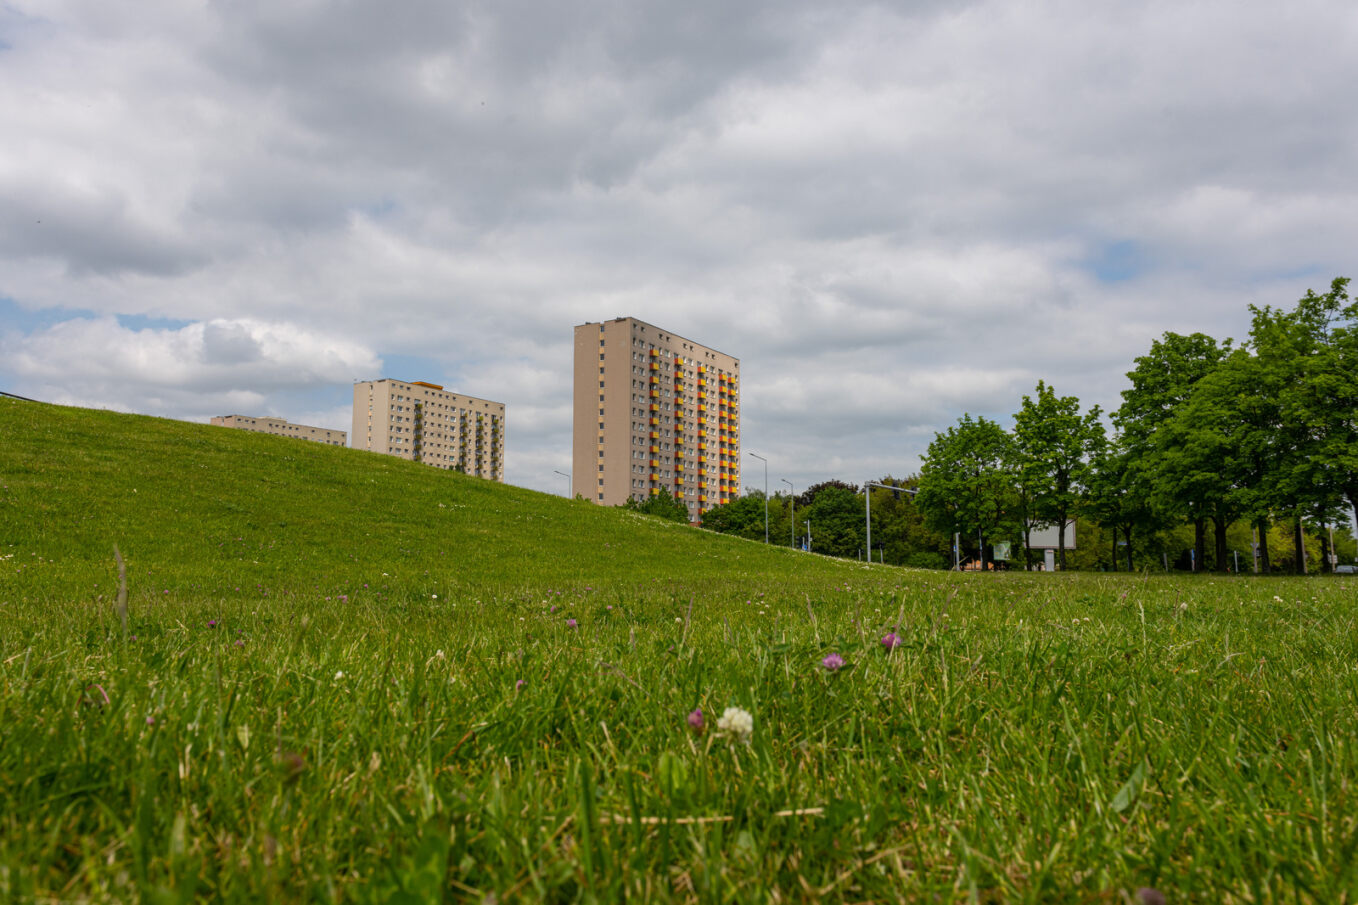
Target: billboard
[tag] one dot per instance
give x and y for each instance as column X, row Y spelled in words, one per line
column 1044, row 536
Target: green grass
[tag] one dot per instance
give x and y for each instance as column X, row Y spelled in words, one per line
column 321, row 701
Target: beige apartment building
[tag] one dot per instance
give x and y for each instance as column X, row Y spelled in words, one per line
column 653, row 411
column 281, row 428
column 425, row 423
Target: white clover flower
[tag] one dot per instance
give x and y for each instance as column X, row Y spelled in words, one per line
column 339, row 675
column 736, row 723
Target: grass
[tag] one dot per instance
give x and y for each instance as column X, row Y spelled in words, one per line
column 349, row 678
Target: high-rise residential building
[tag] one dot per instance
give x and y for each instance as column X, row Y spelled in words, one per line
column 425, row 423
column 654, row 411
column 281, row 428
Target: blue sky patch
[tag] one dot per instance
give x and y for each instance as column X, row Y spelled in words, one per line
column 1117, row 262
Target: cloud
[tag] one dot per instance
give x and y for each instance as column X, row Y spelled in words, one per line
column 191, row 371
column 892, row 212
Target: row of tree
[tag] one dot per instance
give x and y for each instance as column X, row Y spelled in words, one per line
column 1260, row 437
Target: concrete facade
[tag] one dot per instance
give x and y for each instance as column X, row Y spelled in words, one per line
column 281, row 428
column 652, row 411
column 423, row 422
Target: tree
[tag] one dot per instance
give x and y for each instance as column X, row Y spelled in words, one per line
column 1162, row 382
column 808, row 496
column 662, row 505
column 1311, row 354
column 743, row 516
column 1118, row 497
column 1053, row 443
column 836, row 517
column 967, row 482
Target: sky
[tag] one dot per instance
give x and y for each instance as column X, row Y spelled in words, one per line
column 893, row 213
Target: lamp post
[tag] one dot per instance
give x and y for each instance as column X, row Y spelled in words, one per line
column 567, row 476
column 867, row 508
column 792, row 500
column 766, row 494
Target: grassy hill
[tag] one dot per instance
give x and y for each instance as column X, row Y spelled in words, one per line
column 209, row 510
column 347, row 678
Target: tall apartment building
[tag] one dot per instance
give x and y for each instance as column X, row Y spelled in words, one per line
column 281, row 428
column 654, row 411
column 425, row 423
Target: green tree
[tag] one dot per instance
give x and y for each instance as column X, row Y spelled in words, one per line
column 1053, row 443
column 1162, row 382
column 743, row 516
column 1310, row 355
column 662, row 505
column 967, row 482
column 836, row 517
column 1117, row 496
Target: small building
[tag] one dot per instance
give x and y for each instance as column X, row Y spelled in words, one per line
column 281, row 428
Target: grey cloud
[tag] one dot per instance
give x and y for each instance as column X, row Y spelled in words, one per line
column 914, row 207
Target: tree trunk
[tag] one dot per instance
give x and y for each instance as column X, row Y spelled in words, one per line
column 1061, row 545
column 1199, row 543
column 1027, row 546
column 1219, row 526
column 1262, row 527
column 1326, row 566
column 1299, row 547
column 1130, row 567
column 1115, row 549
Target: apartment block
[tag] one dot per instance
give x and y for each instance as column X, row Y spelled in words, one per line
column 653, row 411
column 281, row 428
column 425, row 423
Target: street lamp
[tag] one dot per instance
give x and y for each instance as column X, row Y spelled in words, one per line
column 567, row 476
column 766, row 494
column 792, row 500
column 867, row 499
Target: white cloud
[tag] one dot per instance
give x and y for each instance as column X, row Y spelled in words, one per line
column 918, row 207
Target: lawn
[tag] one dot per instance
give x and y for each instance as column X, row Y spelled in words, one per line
column 349, row 678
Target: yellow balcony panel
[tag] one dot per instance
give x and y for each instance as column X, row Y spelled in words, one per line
column 655, row 449
column 655, row 435
column 655, row 353
column 655, row 422
column 655, row 491
column 655, row 463
column 655, row 407
column 702, row 498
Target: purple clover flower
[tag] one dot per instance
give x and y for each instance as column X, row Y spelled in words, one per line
column 518, row 686
column 891, row 641
column 832, row 662
column 571, row 623
column 695, row 720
